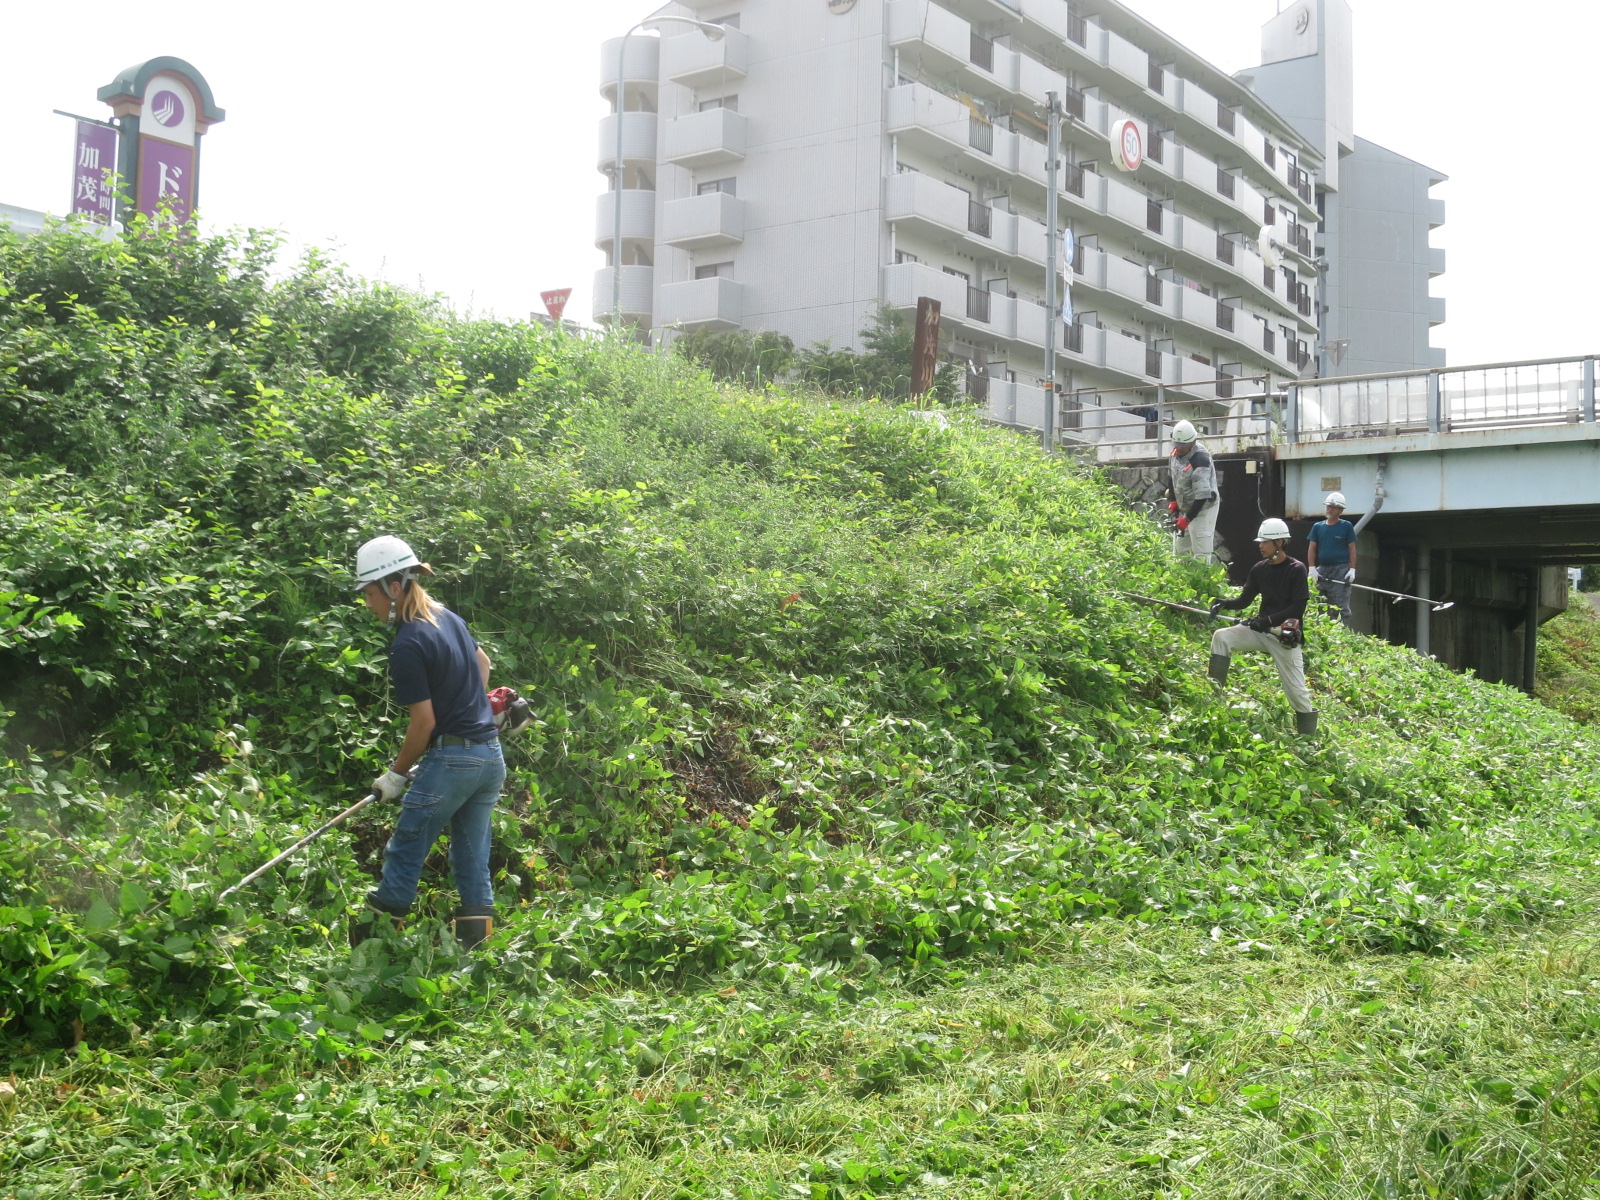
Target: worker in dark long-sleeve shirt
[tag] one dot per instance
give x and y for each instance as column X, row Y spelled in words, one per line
column 1280, row 581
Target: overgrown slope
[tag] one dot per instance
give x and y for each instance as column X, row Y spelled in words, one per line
column 1569, row 661
column 820, row 689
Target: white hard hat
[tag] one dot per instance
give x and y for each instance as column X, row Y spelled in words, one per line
column 1184, row 432
column 1273, row 529
column 381, row 558
column 1336, row 499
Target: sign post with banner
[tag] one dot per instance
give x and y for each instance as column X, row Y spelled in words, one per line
column 555, row 303
column 94, row 171
column 164, row 107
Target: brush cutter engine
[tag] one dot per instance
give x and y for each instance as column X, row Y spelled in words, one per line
column 512, row 714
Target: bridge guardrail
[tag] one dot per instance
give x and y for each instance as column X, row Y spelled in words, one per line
column 1517, row 395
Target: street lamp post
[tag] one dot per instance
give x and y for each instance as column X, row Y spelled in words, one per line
column 713, row 33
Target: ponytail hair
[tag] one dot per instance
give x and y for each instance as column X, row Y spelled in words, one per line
column 414, row 603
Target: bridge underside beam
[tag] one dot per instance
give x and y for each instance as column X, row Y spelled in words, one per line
column 1565, row 537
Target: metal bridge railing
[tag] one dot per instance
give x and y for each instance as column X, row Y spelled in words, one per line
column 1515, row 395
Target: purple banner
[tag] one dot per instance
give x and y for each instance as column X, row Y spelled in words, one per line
column 94, row 164
column 166, row 177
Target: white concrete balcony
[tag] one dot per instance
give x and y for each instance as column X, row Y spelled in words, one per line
column 705, row 139
column 1435, row 213
column 641, row 65
column 1436, row 310
column 930, row 117
column 1126, row 59
column 937, row 33
column 920, row 199
column 689, row 57
column 1435, row 261
column 905, row 283
column 635, row 286
column 638, row 139
column 716, row 303
column 698, row 222
column 638, row 217
column 1016, row 403
column 1125, row 354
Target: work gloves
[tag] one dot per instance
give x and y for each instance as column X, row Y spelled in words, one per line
column 390, row 786
column 1350, row 576
column 1182, row 524
column 1172, row 506
column 1259, row 624
column 1216, row 608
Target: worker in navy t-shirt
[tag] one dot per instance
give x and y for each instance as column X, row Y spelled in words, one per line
column 1331, row 554
column 439, row 674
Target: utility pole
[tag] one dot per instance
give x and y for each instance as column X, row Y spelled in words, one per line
column 1052, row 302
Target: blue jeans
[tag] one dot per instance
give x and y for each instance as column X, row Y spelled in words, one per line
column 455, row 786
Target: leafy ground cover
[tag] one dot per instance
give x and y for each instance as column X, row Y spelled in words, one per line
column 840, row 715
column 1569, row 661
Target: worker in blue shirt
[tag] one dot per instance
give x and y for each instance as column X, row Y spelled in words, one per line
column 439, row 674
column 1331, row 554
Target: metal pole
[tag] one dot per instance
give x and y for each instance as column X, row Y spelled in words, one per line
column 616, row 228
column 1424, row 608
column 1588, row 390
column 1052, row 303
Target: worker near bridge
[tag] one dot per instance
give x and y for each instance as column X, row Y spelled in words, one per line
column 1331, row 553
column 1193, row 496
column 1280, row 581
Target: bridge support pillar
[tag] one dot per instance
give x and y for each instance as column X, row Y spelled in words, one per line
column 1424, row 583
column 1530, row 633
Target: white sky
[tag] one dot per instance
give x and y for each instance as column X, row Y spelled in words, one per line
column 453, row 147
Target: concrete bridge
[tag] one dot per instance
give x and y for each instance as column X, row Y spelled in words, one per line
column 1476, row 485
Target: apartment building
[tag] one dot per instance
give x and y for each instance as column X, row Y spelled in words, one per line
column 826, row 156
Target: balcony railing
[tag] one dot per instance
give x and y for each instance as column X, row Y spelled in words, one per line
column 1225, row 183
column 1158, row 79
column 982, row 53
column 1268, row 213
column 980, row 134
column 1077, row 29
column 978, row 386
column 1072, row 338
column 980, row 218
column 1224, row 250
column 1269, row 154
column 1152, row 289
column 1154, row 216
column 1152, row 360
column 1269, row 340
column 1072, row 178
column 1072, row 103
column 1224, row 317
column 1224, row 119
column 1079, row 255
column 1269, row 278
column 1155, row 148
column 1300, row 239
column 1302, row 301
column 978, row 304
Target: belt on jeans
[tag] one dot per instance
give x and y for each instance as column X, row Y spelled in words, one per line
column 450, row 739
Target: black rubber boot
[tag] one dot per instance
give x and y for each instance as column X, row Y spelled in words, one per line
column 472, row 926
column 1305, row 724
column 1218, row 670
column 368, row 922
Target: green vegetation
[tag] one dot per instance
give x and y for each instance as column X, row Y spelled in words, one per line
column 878, row 370
column 867, row 842
column 1569, row 661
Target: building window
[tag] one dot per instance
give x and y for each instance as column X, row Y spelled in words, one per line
column 1269, row 154
column 731, row 103
column 710, row 186
column 721, row 270
column 905, row 256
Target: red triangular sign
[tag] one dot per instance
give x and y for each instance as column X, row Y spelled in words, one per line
column 555, row 302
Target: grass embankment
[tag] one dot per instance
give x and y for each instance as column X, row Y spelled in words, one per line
column 837, row 714
column 1569, row 661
